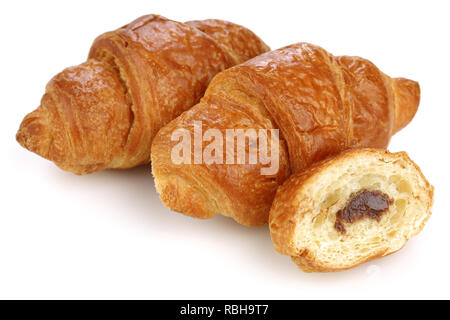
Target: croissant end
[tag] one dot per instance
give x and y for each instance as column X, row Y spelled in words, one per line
column 33, row 133
column 407, row 97
column 182, row 196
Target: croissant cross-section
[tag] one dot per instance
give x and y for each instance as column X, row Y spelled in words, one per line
column 349, row 209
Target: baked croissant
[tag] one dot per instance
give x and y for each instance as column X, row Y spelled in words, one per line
column 349, row 209
column 320, row 103
column 105, row 112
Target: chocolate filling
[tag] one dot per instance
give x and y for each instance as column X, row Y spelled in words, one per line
column 365, row 203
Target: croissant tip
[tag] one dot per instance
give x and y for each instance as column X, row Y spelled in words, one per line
column 33, row 134
column 407, row 104
column 180, row 196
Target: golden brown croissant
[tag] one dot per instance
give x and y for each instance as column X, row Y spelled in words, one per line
column 105, row 112
column 350, row 208
column 320, row 103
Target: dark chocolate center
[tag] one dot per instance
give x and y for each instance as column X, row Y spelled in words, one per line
column 365, row 203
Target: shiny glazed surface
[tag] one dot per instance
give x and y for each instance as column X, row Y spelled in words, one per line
column 105, row 112
column 321, row 104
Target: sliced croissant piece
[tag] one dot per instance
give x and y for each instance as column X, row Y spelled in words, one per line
column 349, row 209
column 105, row 112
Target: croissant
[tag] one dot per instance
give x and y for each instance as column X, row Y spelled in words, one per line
column 320, row 104
column 349, row 209
column 105, row 112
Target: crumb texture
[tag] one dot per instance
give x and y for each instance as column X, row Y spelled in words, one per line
column 305, row 226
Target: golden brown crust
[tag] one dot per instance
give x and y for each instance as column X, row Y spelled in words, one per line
column 214, row 188
column 70, row 130
column 156, row 69
column 321, row 104
column 239, row 42
column 289, row 207
column 407, row 94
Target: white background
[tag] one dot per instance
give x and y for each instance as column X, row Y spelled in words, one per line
column 107, row 235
